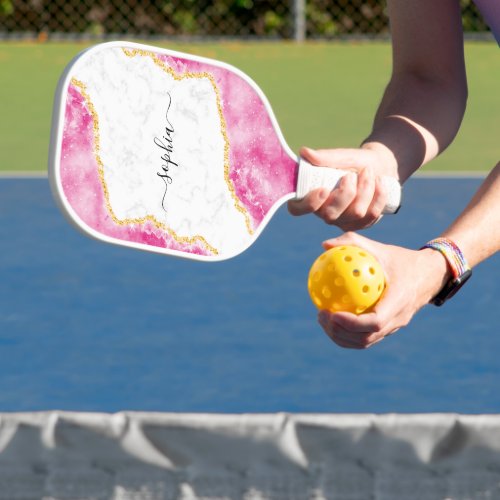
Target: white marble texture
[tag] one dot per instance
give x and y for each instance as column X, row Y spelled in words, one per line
column 131, row 98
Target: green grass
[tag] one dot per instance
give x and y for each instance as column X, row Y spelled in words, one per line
column 323, row 94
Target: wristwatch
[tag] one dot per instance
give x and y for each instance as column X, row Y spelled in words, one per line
column 459, row 267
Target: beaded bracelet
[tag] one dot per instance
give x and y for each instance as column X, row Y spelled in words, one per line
column 459, row 267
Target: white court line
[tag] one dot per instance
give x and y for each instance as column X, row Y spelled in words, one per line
column 23, row 175
column 453, row 174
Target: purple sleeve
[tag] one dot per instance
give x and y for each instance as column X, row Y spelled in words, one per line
column 490, row 9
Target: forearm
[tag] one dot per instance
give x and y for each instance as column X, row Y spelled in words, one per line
column 416, row 121
column 424, row 103
column 477, row 230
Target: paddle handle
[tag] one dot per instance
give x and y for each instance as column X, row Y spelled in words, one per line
column 312, row 177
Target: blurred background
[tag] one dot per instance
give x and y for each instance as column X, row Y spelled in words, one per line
column 284, row 19
column 323, row 64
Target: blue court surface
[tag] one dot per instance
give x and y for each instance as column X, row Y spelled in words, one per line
column 86, row 326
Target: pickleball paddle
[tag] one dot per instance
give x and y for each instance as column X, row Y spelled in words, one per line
column 172, row 153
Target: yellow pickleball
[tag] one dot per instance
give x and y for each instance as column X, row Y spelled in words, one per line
column 346, row 278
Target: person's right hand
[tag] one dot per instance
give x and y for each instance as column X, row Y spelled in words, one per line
column 359, row 199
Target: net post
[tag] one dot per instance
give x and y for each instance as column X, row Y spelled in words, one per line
column 299, row 20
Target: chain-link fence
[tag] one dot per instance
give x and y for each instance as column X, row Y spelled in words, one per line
column 207, row 18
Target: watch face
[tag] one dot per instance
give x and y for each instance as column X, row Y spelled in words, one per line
column 451, row 288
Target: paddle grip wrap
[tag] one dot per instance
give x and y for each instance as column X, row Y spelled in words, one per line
column 312, row 177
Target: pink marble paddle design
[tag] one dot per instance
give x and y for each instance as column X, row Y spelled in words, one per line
column 260, row 170
column 112, row 156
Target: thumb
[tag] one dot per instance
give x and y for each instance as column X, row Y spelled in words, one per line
column 349, row 238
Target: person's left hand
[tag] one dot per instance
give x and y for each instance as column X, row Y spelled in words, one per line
column 413, row 278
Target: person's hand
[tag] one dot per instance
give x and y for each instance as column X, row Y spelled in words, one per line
column 358, row 200
column 413, row 278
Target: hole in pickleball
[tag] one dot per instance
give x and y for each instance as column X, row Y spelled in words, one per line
column 317, row 276
column 356, row 273
column 327, row 293
column 363, row 254
column 379, row 287
column 339, row 281
column 317, row 300
column 346, row 299
column 348, row 258
column 372, row 271
column 366, row 289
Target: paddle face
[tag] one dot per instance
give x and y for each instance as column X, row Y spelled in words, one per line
column 166, row 152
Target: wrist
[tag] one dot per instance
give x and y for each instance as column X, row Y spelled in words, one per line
column 388, row 165
column 458, row 268
column 437, row 272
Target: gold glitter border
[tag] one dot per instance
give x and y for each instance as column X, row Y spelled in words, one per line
column 205, row 74
column 100, row 168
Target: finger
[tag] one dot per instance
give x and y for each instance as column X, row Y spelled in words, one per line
column 362, row 324
column 364, row 195
column 355, row 216
column 339, row 199
column 378, row 250
column 374, row 325
column 379, row 200
column 340, row 335
column 348, row 338
column 312, row 156
column 341, row 339
column 354, row 340
column 357, row 225
column 348, row 238
column 376, row 209
column 368, row 206
column 354, row 159
column 362, row 340
column 310, row 203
